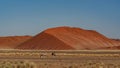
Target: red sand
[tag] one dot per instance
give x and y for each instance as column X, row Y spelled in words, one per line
column 65, row 38
column 12, row 41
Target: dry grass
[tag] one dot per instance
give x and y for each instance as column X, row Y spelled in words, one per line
column 16, row 64
column 87, row 64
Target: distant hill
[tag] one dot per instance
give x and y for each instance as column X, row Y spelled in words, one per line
column 68, row 38
column 11, row 42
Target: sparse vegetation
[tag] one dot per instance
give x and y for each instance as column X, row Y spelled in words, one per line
column 59, row 59
column 86, row 64
column 16, row 64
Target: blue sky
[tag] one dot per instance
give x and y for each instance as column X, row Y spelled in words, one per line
column 29, row 17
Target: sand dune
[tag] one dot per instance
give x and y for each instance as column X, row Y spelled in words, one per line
column 117, row 41
column 12, row 41
column 65, row 38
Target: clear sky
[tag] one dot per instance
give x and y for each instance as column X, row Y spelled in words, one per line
column 29, row 17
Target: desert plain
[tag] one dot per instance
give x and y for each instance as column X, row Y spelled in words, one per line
column 61, row 58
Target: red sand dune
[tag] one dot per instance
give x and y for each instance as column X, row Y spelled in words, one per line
column 12, row 41
column 65, row 38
